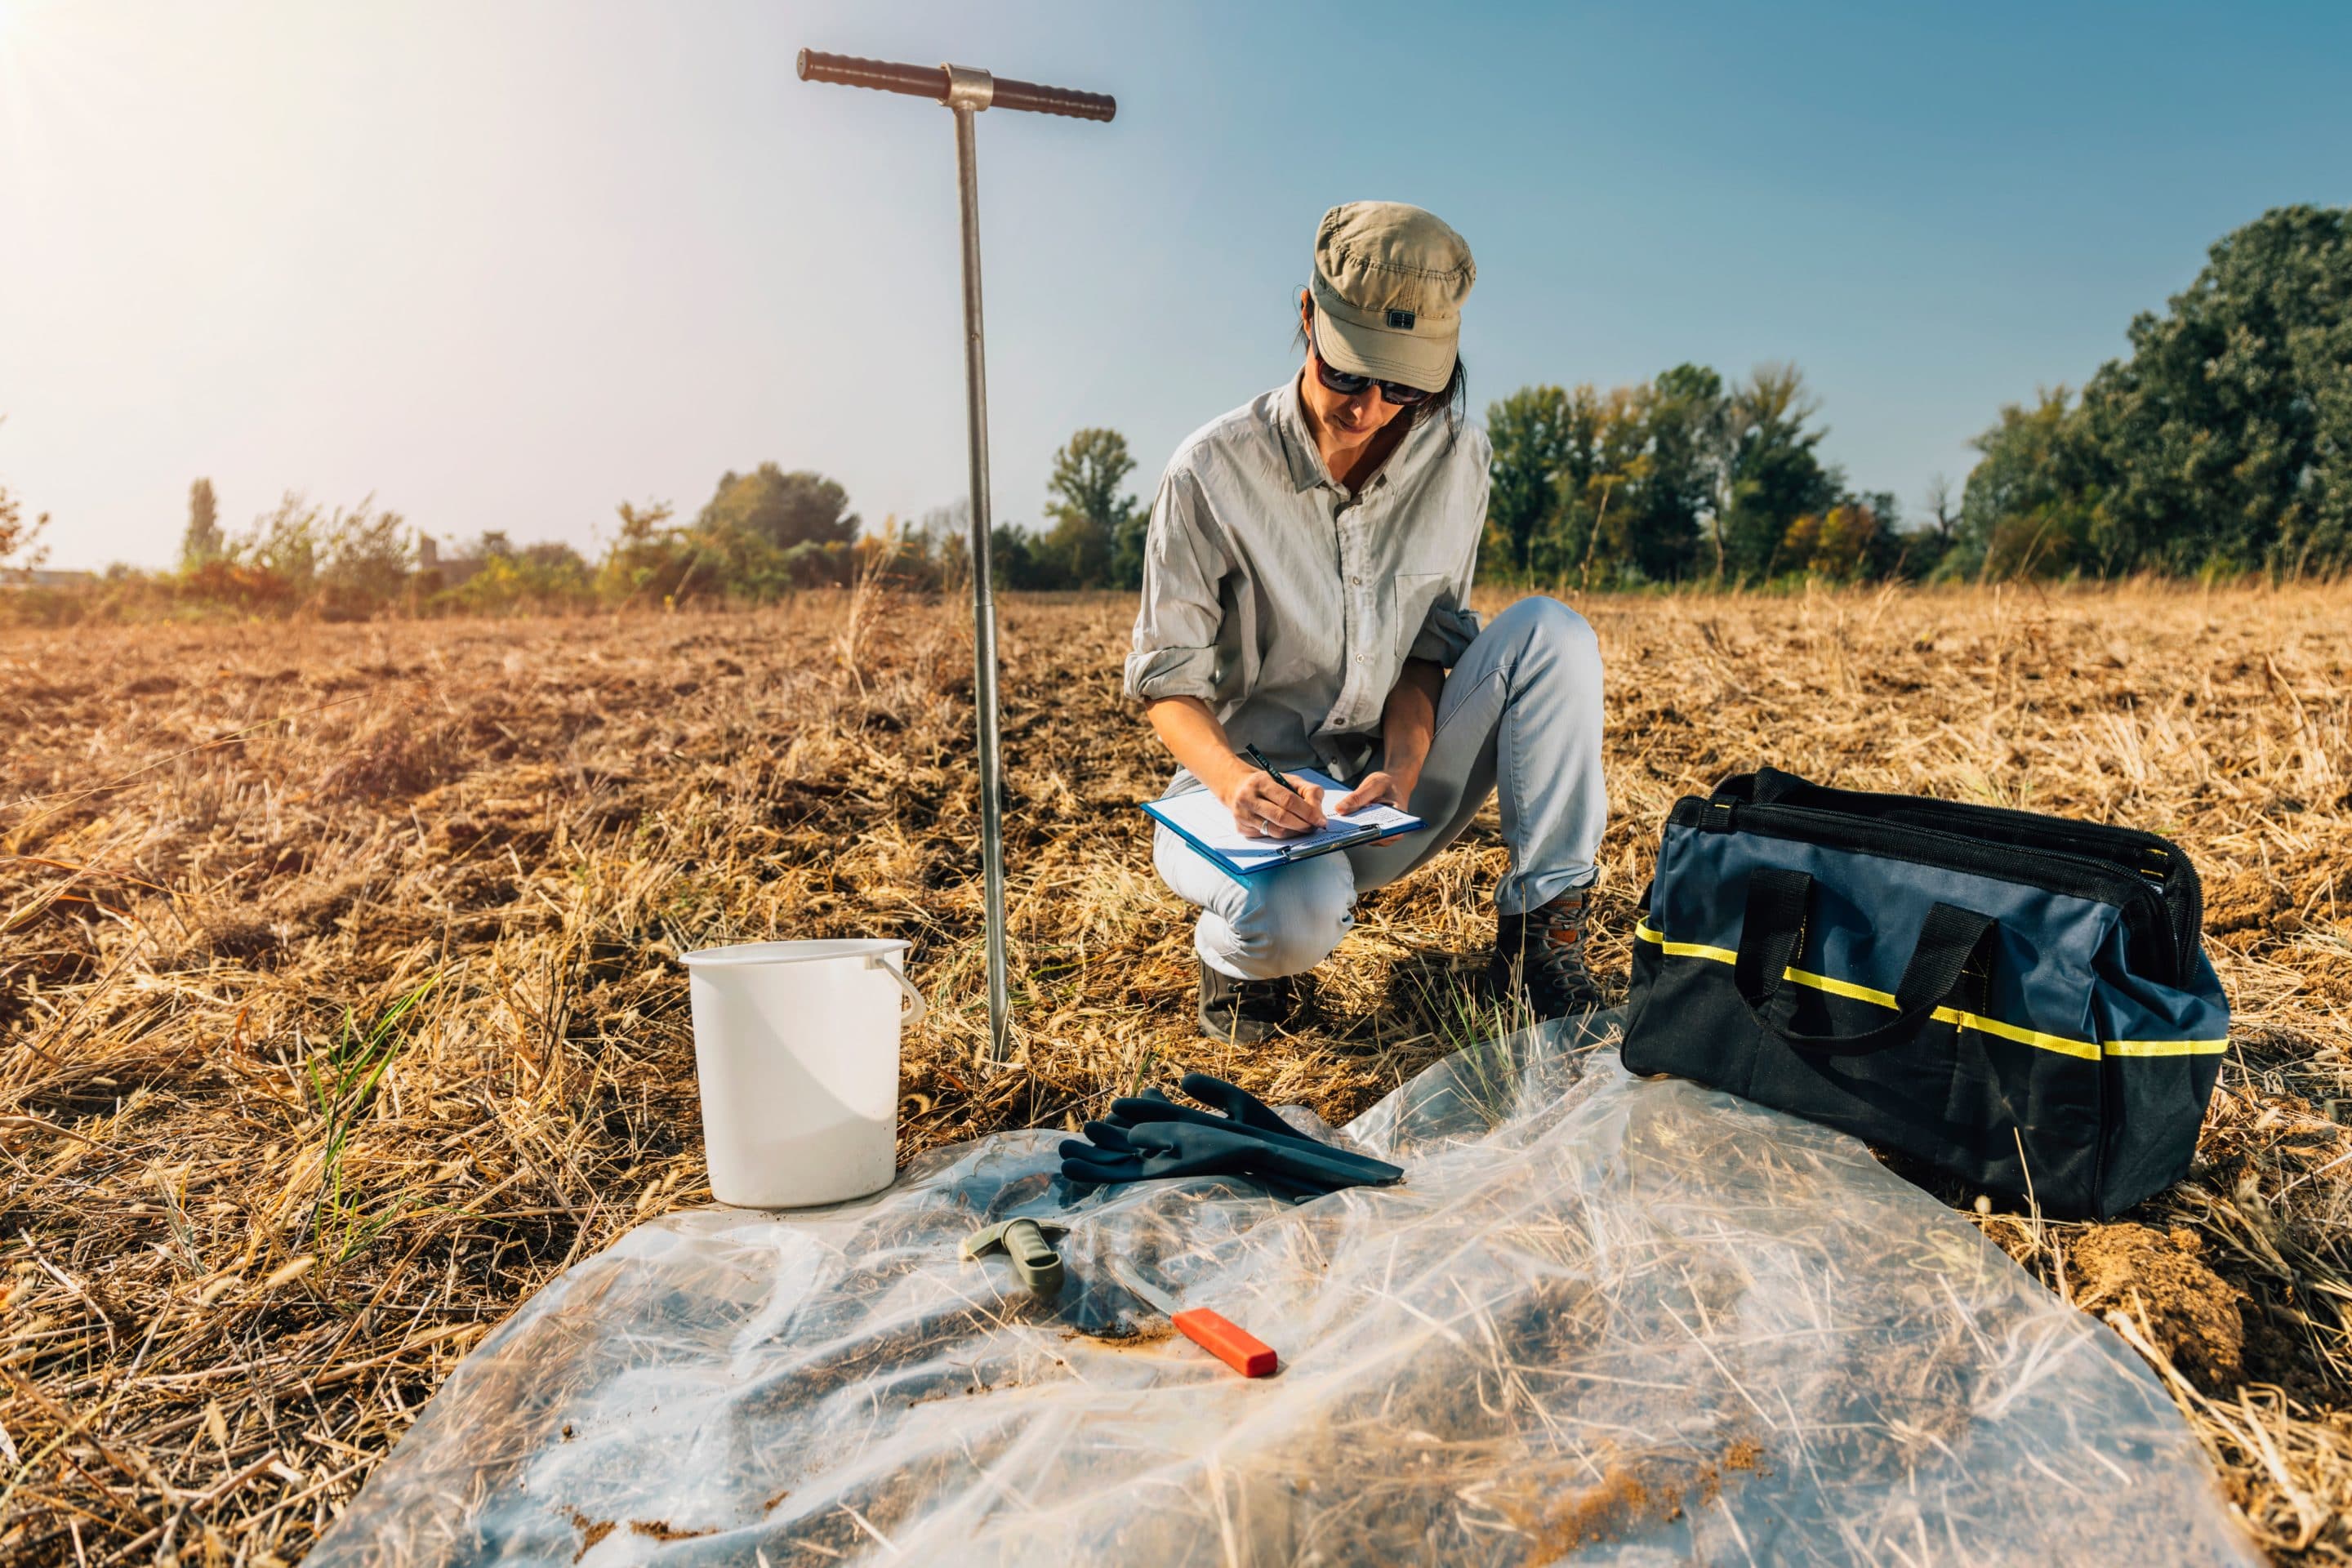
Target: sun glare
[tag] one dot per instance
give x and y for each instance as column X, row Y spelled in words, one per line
column 17, row 19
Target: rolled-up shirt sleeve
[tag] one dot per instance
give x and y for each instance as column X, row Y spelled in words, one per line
column 1451, row 626
column 1175, row 647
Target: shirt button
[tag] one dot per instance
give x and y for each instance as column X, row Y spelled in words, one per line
column 1358, row 582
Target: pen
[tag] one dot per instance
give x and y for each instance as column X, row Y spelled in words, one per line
column 1254, row 756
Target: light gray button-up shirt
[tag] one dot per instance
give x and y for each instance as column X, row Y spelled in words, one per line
column 1290, row 604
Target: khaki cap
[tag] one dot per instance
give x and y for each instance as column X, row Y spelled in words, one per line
column 1389, row 284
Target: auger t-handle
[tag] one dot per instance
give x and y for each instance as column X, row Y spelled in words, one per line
column 933, row 81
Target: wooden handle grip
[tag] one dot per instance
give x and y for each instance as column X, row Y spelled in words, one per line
column 1236, row 1346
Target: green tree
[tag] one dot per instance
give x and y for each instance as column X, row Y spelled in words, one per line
column 2030, row 506
column 364, row 560
column 649, row 560
column 202, row 541
column 1530, row 434
column 1097, row 537
column 536, row 576
column 1893, row 549
column 1593, row 487
column 1686, row 421
column 1015, row 559
column 1774, row 475
column 1840, row 543
column 284, row 545
column 2222, row 442
column 1605, row 463
column 768, row 532
column 779, row 510
column 2225, row 438
column 553, row 557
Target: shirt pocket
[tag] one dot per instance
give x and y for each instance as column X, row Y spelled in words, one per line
column 1416, row 592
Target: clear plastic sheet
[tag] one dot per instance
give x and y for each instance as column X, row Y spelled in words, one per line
column 1605, row 1320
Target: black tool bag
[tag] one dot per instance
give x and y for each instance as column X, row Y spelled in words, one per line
column 2021, row 1001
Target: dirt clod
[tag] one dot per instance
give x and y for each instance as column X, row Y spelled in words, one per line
column 592, row 1532
column 2188, row 1311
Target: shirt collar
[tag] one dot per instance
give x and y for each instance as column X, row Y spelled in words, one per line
column 1297, row 442
column 1304, row 459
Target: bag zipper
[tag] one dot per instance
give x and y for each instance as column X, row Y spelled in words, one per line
column 2183, row 894
column 2078, row 875
column 2126, row 848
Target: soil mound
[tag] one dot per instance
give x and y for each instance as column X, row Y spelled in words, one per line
column 2158, row 1279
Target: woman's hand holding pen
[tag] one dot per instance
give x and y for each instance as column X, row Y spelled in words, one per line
column 1267, row 805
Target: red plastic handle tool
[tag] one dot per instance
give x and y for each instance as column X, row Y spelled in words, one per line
column 1234, row 1345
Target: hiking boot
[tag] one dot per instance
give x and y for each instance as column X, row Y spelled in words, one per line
column 1243, row 1011
column 1540, row 957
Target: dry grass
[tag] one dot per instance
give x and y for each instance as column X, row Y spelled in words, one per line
column 339, row 1007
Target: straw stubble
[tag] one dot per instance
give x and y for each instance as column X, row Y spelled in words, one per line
column 337, row 969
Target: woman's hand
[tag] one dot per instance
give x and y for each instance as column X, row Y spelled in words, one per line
column 1263, row 809
column 1378, row 789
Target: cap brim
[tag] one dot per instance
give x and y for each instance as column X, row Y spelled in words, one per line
column 1420, row 362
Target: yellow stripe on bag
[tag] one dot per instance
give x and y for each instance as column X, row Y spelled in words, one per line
column 1839, row 987
column 2166, row 1048
column 2060, row 1043
column 2063, row 1045
column 1686, row 949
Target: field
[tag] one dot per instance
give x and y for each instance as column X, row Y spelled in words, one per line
column 341, row 1010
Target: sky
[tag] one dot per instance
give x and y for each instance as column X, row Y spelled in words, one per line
column 503, row 265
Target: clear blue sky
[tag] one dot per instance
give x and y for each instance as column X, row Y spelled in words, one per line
column 506, row 265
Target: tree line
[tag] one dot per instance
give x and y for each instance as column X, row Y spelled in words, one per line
column 2220, row 445
column 764, row 533
column 1680, row 479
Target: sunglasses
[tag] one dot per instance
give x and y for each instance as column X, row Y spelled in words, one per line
column 1346, row 385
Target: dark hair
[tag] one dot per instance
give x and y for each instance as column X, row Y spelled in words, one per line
column 1454, row 397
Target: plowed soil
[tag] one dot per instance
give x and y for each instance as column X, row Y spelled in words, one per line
column 339, row 1008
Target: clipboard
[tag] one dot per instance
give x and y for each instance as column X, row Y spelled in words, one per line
column 1201, row 820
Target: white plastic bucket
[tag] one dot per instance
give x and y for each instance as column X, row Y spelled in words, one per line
column 796, row 1049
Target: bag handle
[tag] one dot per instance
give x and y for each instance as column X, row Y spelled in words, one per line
column 912, row 1013
column 1765, row 787
column 1773, row 932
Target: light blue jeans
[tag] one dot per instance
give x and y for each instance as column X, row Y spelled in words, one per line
column 1521, row 713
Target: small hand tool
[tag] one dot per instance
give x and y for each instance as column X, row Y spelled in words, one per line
column 1028, row 1244
column 1230, row 1344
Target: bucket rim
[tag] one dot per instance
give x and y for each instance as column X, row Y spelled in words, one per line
column 747, row 955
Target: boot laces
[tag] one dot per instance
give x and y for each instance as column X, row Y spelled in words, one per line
column 1552, row 944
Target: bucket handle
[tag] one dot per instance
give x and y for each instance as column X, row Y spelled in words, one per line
column 915, row 1008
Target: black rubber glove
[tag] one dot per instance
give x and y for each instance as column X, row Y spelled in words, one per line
column 1242, row 1110
column 1150, row 1136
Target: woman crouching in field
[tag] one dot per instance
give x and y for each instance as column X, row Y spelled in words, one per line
column 1306, row 589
